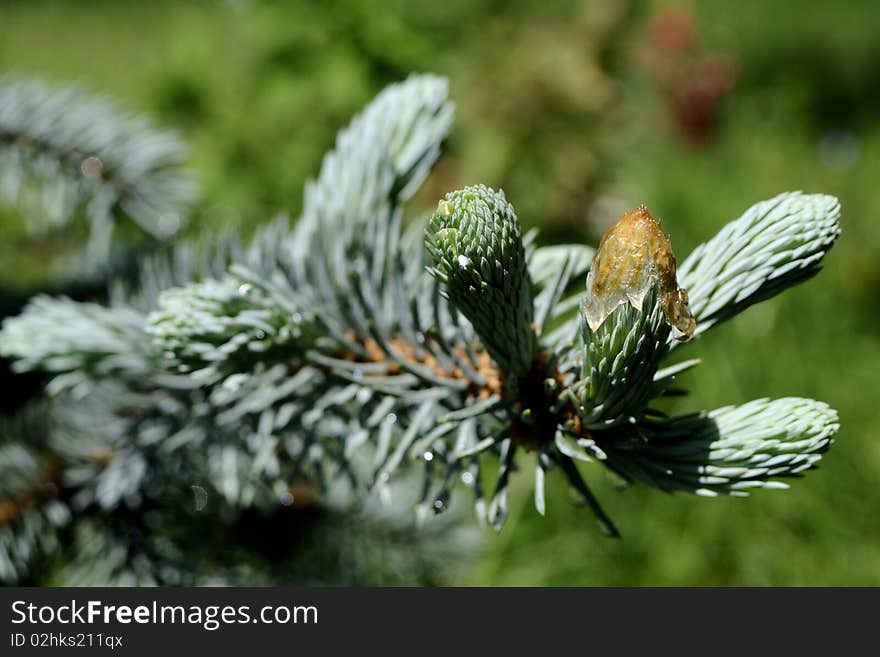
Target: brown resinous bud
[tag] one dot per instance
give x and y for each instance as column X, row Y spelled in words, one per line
column 634, row 255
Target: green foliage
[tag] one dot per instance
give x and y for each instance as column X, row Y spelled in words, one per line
column 620, row 360
column 730, row 449
column 244, row 95
column 336, row 363
column 773, row 245
column 210, row 325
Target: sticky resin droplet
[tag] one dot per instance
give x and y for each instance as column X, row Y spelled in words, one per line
column 634, row 255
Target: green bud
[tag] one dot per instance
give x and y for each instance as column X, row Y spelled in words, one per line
column 635, row 255
column 475, row 240
column 619, row 361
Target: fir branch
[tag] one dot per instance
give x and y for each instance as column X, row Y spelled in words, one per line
column 350, row 224
column 731, row 449
column 327, row 355
column 220, row 323
column 775, row 244
column 64, row 154
column 318, row 543
column 325, row 269
column 59, row 335
column 31, row 513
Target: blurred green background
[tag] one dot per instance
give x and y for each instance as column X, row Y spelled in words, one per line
column 579, row 110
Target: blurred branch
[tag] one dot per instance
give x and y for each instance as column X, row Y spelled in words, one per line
column 65, row 154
